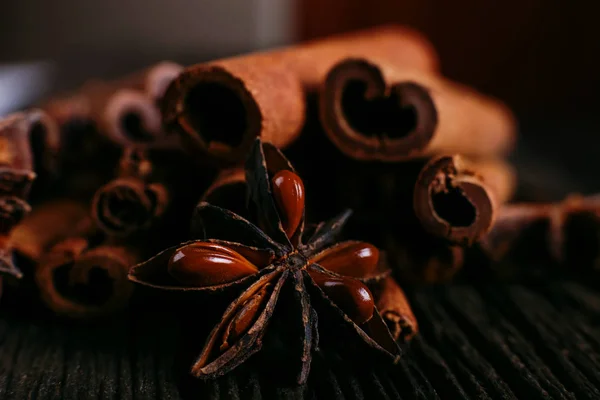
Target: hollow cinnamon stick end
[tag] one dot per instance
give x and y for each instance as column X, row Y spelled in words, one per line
column 131, row 118
column 452, row 202
column 128, row 205
column 159, row 77
column 213, row 111
column 368, row 119
column 79, row 283
column 220, row 108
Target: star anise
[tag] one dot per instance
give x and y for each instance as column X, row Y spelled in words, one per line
column 324, row 279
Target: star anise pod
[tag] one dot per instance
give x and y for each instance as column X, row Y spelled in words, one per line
column 327, row 281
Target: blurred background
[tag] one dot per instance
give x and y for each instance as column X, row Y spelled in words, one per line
column 539, row 56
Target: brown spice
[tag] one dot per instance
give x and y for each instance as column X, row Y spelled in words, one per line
column 220, row 107
column 375, row 110
column 124, row 110
column 20, row 135
column 457, row 200
column 130, row 203
column 564, row 234
column 48, row 224
column 153, row 187
column 396, row 311
column 269, row 264
column 83, row 281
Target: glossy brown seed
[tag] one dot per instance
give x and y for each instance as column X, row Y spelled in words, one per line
column 351, row 295
column 356, row 259
column 245, row 317
column 206, row 264
column 288, row 191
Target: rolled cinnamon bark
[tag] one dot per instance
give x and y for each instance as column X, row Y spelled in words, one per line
column 28, row 143
column 219, row 107
column 48, row 224
column 158, row 187
column 228, row 191
column 79, row 280
column 124, row 110
column 130, row 203
column 565, row 234
column 20, row 135
column 457, row 200
column 396, row 311
column 375, row 110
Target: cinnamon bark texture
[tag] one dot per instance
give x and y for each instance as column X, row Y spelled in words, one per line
column 124, row 111
column 155, row 190
column 220, row 107
column 130, row 203
column 48, row 224
column 228, row 191
column 457, row 200
column 396, row 311
column 20, row 134
column 80, row 280
column 375, row 110
column 529, row 235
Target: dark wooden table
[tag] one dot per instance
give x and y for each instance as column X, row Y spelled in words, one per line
column 495, row 341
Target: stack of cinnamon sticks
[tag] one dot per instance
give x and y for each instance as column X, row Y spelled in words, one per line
column 367, row 118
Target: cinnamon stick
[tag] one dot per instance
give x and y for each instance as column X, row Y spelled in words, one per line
column 123, row 111
column 375, row 110
column 18, row 134
column 564, row 234
column 228, row 191
column 48, row 224
column 457, row 200
column 79, row 280
column 396, row 311
column 153, row 188
column 130, row 203
column 219, row 107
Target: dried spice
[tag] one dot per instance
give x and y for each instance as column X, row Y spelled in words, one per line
column 374, row 110
column 269, row 263
column 220, row 107
column 130, row 203
column 152, row 192
column 80, row 279
column 396, row 311
column 123, row 111
column 564, row 235
column 21, row 134
column 457, row 200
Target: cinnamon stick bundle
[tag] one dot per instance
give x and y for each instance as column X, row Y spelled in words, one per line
column 77, row 271
column 123, row 111
column 396, row 311
column 221, row 106
column 228, row 191
column 457, row 199
column 19, row 134
column 80, row 280
column 48, row 224
column 130, row 203
column 155, row 189
column 375, row 110
column 564, row 234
